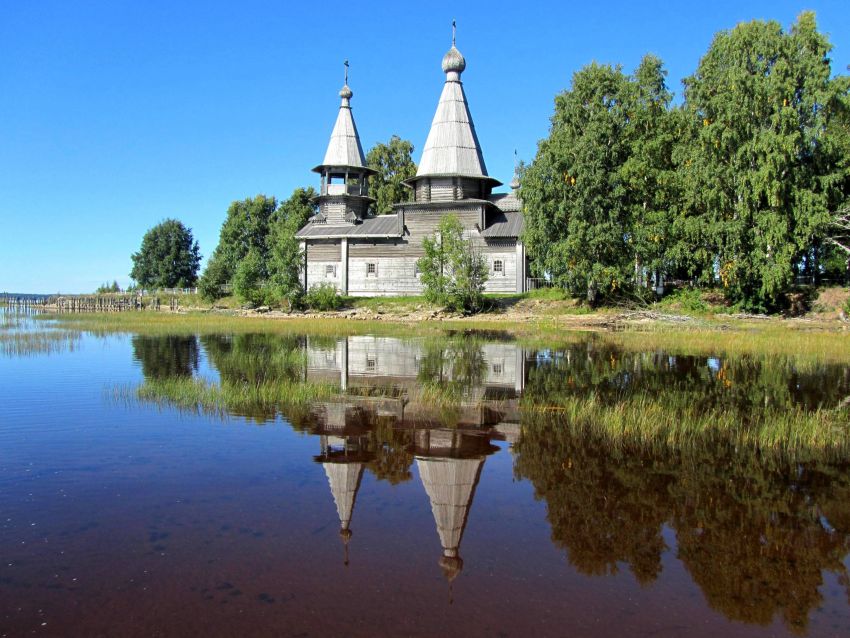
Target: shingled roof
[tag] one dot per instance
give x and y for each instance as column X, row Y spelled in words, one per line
column 507, row 202
column 452, row 146
column 380, row 226
column 503, row 224
column 344, row 148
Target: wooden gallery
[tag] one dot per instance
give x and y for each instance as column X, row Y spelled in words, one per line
column 363, row 254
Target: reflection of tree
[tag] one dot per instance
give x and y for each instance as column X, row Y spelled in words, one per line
column 256, row 358
column 755, row 536
column 602, row 511
column 392, row 459
column 740, row 383
column 166, row 356
column 383, row 448
column 454, row 366
column 252, row 367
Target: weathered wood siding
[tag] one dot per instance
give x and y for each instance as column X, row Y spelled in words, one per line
column 319, row 272
column 505, row 281
column 394, row 260
column 386, row 248
column 423, row 223
column 392, row 276
column 323, row 251
column 395, row 359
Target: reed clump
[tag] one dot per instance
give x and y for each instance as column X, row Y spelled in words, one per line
column 790, row 433
column 262, row 400
column 15, row 343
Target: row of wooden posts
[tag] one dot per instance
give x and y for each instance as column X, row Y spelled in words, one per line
column 92, row 303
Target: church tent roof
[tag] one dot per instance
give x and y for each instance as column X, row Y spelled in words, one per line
column 452, row 146
column 344, row 480
column 450, row 485
column 344, row 147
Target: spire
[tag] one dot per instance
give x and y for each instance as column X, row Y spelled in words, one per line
column 452, row 147
column 344, row 480
column 450, row 484
column 515, row 181
column 344, row 148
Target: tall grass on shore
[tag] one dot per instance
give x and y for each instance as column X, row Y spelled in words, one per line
column 674, row 424
column 262, row 401
column 15, row 343
column 721, row 336
column 640, row 423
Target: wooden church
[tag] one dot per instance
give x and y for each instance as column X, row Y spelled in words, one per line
column 368, row 255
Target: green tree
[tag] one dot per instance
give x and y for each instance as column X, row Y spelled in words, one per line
column 249, row 278
column 575, row 199
column 649, row 173
column 453, row 271
column 836, row 144
column 168, row 258
column 285, row 256
column 756, row 180
column 394, row 163
column 106, row 287
column 246, row 226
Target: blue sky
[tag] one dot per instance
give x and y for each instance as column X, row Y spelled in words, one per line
column 115, row 115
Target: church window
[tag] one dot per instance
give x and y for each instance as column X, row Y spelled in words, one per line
column 330, row 271
column 372, row 269
column 499, row 267
column 371, row 362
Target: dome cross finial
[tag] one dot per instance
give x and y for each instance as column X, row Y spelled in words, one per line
column 345, row 92
column 453, row 62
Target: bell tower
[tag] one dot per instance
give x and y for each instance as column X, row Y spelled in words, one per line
column 344, row 194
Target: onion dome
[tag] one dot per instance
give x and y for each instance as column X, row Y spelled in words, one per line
column 451, row 566
column 453, row 61
column 345, row 92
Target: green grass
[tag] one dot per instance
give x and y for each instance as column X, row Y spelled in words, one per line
column 43, row 342
column 707, row 337
column 548, row 294
column 644, row 423
column 388, row 304
column 262, row 400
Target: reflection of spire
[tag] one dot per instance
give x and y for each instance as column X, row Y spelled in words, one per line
column 344, row 480
column 450, row 484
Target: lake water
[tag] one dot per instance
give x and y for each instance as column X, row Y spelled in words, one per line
column 390, row 510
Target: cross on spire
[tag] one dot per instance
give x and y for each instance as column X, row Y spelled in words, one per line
column 454, row 31
column 345, row 64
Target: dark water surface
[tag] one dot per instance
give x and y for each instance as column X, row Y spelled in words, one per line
column 382, row 513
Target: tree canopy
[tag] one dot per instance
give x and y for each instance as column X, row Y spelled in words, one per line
column 246, row 226
column 756, row 175
column 743, row 185
column 168, row 258
column 258, row 252
column 594, row 193
column 285, row 256
column 394, row 163
column 452, row 271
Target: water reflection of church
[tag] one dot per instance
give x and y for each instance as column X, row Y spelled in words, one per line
column 383, row 381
